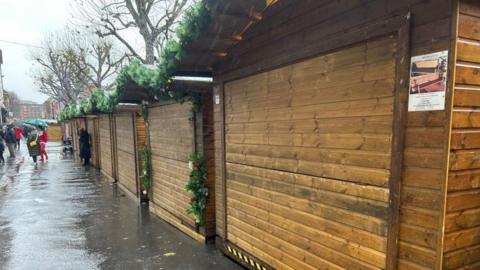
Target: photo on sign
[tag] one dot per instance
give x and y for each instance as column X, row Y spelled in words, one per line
column 428, row 82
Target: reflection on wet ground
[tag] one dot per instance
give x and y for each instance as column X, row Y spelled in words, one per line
column 60, row 215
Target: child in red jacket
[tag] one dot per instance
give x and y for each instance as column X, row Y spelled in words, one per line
column 43, row 138
column 18, row 136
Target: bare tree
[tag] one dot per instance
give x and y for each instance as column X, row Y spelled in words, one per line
column 72, row 65
column 56, row 72
column 154, row 20
column 100, row 58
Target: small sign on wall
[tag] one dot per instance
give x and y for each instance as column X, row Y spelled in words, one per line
column 428, row 82
column 217, row 99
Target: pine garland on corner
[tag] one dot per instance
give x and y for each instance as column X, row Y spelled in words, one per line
column 196, row 185
column 145, row 176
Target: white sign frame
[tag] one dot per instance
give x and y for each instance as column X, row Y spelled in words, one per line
column 428, row 82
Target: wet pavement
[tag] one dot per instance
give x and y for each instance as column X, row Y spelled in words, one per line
column 60, row 215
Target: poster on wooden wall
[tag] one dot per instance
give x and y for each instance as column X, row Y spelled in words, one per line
column 428, row 82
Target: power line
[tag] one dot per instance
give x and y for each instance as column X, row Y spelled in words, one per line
column 22, row 44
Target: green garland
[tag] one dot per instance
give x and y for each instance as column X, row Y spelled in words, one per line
column 104, row 102
column 144, row 112
column 136, row 73
column 99, row 102
column 86, row 106
column 145, row 175
column 196, row 185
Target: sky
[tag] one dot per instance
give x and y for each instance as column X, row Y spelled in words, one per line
column 25, row 21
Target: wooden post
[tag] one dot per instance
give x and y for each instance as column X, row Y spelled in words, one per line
column 452, row 59
column 223, row 155
column 97, row 141
column 114, row 146
column 149, row 149
column 135, row 152
column 220, row 181
column 398, row 133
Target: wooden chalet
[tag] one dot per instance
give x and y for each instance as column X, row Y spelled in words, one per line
column 107, row 141
column 116, row 140
column 175, row 131
column 128, row 130
column 318, row 162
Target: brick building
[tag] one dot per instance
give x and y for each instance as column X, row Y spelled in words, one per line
column 51, row 108
column 27, row 109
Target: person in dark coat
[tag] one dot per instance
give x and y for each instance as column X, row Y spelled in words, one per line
column 2, row 149
column 84, row 142
column 11, row 140
column 33, row 145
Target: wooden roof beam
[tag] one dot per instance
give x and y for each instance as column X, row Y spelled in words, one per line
column 220, row 37
column 252, row 15
column 216, row 53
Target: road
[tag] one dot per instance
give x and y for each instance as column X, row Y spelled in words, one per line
column 60, row 215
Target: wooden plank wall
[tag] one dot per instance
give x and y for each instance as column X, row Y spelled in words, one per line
column 219, row 142
column 308, row 159
column 172, row 142
column 141, row 132
column 462, row 223
column 75, row 142
column 106, row 162
column 291, row 29
column 206, row 139
column 127, row 176
column 55, row 133
column 113, row 136
column 141, row 141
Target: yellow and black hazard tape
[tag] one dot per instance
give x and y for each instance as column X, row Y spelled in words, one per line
column 245, row 258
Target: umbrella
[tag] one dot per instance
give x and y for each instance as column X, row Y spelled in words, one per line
column 28, row 127
column 37, row 122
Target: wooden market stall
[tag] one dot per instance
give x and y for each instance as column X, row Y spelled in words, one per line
column 176, row 131
column 116, row 140
column 325, row 158
column 120, row 136
column 106, row 140
column 125, row 152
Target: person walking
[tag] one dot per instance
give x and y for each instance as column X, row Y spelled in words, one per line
column 33, row 145
column 11, row 141
column 84, row 142
column 18, row 136
column 2, row 146
column 43, row 138
column 2, row 149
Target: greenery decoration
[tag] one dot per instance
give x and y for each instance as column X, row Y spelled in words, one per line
column 144, row 111
column 145, row 174
column 102, row 101
column 196, row 185
column 86, row 106
column 137, row 74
